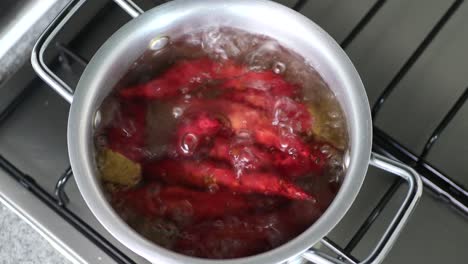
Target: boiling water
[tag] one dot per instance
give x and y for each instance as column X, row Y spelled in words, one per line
column 255, row 53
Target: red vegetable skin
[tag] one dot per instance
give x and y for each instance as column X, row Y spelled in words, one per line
column 185, row 206
column 241, row 155
column 126, row 135
column 293, row 157
column 255, row 98
column 247, row 235
column 243, row 118
column 283, row 111
column 249, row 157
column 266, row 81
column 183, row 77
column 221, row 240
column 207, row 175
column 294, row 167
column 193, row 130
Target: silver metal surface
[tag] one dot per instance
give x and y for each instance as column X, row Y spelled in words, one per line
column 21, row 23
column 37, row 57
column 130, row 7
column 122, row 49
column 415, row 189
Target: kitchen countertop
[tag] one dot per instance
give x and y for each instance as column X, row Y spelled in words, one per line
column 20, row 243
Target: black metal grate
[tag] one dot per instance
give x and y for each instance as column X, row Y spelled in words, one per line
column 383, row 143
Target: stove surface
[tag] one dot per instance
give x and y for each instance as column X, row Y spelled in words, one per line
column 33, row 137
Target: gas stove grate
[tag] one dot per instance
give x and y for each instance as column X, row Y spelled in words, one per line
column 383, row 143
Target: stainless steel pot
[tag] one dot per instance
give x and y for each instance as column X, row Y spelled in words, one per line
column 292, row 30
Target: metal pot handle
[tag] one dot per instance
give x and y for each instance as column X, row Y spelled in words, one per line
column 393, row 231
column 37, row 55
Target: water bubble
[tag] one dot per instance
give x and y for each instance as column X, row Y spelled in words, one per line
column 284, row 145
column 279, row 67
column 177, row 112
column 244, row 135
column 335, row 124
column 189, row 143
column 159, row 43
column 134, row 65
column 286, row 113
column 263, row 56
column 293, row 152
column 325, row 149
column 255, row 68
column 286, row 133
column 279, row 115
column 334, row 114
column 212, row 188
column 217, row 44
column 214, row 35
column 184, row 90
column 335, row 161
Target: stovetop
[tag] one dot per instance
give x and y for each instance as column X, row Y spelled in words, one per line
column 425, row 87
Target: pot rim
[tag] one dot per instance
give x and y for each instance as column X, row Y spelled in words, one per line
column 119, row 51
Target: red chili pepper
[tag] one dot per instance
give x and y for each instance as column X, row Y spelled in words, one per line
column 222, row 240
column 292, row 155
column 208, row 175
column 283, row 111
column 250, row 157
column 241, row 155
column 293, row 166
column 183, row 77
column 186, row 206
column 266, row 81
column 246, row 119
column 193, row 131
column 254, row 98
column 243, row 236
column 126, row 134
column 187, row 75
